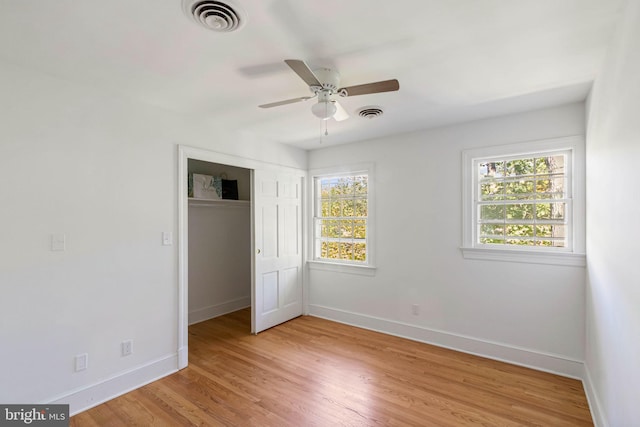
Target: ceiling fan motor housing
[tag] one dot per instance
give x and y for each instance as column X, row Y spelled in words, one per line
column 330, row 79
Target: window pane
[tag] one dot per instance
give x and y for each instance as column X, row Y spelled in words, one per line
column 488, row 240
column 346, row 251
column 325, row 208
column 550, row 211
column 550, row 187
column 521, row 189
column 332, row 250
column 556, row 164
column 348, row 207
column 330, row 228
column 519, row 230
column 491, row 169
column 336, row 208
column 337, row 187
column 360, row 229
column 492, row 190
column 492, row 230
column 360, row 252
column 542, row 165
column 360, row 185
column 544, row 230
column 519, row 211
column 519, row 167
column 348, row 186
column 488, row 212
column 346, row 229
column 558, row 185
column 559, row 231
column 521, row 242
column 325, row 188
column 361, row 207
column 543, row 184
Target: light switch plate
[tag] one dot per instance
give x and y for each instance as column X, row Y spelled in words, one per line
column 58, row 242
column 167, row 238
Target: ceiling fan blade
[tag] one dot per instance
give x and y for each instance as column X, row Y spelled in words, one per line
column 377, row 87
column 341, row 114
column 288, row 101
column 303, row 70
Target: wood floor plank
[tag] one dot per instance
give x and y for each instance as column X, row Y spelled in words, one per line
column 313, row 372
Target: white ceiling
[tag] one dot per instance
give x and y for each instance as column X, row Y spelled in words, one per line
column 456, row 60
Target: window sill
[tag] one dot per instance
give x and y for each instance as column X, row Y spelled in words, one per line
column 364, row 270
column 531, row 257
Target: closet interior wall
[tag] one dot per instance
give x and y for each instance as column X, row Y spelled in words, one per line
column 219, row 247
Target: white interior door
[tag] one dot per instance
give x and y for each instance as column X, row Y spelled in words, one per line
column 277, row 290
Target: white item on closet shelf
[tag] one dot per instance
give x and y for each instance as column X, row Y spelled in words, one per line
column 207, row 187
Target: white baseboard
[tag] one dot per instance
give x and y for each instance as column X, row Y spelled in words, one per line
column 599, row 420
column 540, row 361
column 93, row 395
column 206, row 313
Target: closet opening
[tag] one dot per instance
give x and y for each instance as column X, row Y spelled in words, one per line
column 219, row 247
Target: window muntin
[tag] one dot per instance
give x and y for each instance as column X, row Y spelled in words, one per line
column 341, row 207
column 523, row 200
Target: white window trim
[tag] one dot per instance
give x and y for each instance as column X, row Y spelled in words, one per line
column 575, row 255
column 367, row 268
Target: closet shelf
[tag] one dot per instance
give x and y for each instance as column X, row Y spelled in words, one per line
column 218, row 202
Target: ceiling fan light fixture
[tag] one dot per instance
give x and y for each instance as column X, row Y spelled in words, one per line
column 324, row 109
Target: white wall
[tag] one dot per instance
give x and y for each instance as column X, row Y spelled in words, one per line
column 219, row 259
column 103, row 170
column 613, row 213
column 525, row 313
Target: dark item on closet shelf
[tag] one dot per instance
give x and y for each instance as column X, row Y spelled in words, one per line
column 230, row 189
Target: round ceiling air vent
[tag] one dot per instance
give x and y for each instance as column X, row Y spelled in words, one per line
column 219, row 16
column 370, row 112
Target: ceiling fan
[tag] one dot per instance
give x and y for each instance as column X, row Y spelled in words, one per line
column 325, row 82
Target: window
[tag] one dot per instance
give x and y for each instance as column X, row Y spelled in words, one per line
column 521, row 198
column 341, row 220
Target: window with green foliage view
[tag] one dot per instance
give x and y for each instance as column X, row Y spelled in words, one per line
column 523, row 200
column 340, row 218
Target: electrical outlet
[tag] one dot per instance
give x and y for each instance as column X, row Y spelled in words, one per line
column 127, row 347
column 415, row 309
column 81, row 362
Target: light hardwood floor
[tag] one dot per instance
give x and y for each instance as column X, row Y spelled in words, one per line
column 313, row 372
